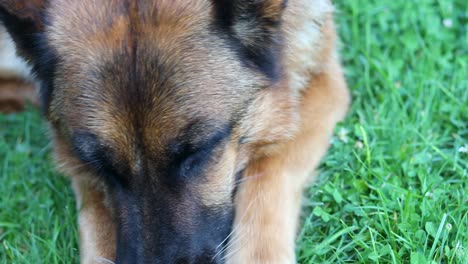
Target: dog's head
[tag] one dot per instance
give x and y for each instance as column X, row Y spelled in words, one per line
column 164, row 102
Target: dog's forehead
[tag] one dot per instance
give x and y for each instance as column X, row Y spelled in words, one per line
column 132, row 69
column 105, row 25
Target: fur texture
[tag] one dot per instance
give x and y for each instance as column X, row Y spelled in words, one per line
column 188, row 128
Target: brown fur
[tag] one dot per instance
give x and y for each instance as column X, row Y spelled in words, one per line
column 280, row 129
column 14, row 94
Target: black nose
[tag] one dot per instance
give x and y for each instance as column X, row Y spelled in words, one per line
column 173, row 237
column 211, row 256
column 208, row 258
column 173, row 254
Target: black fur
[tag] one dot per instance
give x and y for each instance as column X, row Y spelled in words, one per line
column 151, row 206
column 171, row 241
column 91, row 151
column 187, row 160
column 265, row 54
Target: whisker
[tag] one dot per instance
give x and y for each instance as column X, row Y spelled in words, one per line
column 227, row 237
column 238, row 233
column 237, row 236
column 242, row 218
column 248, row 178
column 79, row 166
column 234, row 230
column 102, row 260
column 227, row 256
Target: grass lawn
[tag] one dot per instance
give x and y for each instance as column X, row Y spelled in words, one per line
column 392, row 189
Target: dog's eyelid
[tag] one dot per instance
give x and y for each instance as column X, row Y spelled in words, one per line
column 214, row 140
column 193, row 163
column 184, row 146
column 93, row 153
column 191, row 158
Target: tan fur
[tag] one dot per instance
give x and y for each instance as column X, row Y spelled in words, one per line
column 97, row 231
column 214, row 192
column 95, row 217
column 273, row 184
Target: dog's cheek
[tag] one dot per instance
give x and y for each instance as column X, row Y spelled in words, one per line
column 271, row 119
column 216, row 188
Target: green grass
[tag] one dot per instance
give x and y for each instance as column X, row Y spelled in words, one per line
column 392, row 189
column 37, row 210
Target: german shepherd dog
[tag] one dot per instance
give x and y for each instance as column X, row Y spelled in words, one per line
column 188, row 128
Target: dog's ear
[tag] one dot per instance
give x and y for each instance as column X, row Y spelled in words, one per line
column 25, row 22
column 256, row 25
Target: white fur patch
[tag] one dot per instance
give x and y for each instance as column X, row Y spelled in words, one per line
column 10, row 64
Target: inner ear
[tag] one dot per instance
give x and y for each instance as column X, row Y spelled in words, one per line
column 256, row 27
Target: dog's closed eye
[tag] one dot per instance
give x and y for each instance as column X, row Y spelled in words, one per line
column 193, row 164
column 188, row 160
column 96, row 155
